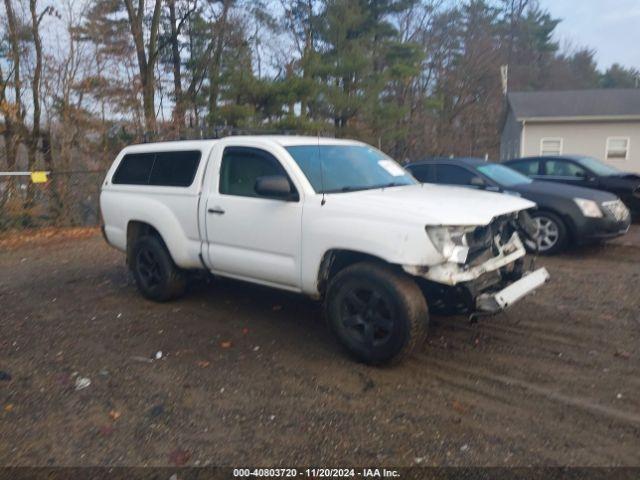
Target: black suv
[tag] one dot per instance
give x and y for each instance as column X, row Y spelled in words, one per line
column 583, row 172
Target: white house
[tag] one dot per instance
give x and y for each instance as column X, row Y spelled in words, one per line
column 604, row 124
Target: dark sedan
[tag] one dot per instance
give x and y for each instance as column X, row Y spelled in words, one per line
column 583, row 172
column 565, row 214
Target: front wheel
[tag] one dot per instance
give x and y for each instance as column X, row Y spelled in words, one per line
column 551, row 236
column 378, row 314
column 158, row 278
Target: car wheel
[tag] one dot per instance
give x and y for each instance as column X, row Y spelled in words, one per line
column 156, row 276
column 551, row 235
column 378, row 314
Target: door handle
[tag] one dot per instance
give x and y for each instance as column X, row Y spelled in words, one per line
column 217, row 211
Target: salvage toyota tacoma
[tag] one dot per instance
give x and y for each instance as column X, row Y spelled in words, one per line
column 337, row 220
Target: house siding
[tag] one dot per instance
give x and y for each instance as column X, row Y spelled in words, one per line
column 586, row 138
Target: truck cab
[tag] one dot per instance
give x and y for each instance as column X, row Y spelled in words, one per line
column 337, row 220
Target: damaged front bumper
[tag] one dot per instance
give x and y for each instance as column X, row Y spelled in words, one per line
column 499, row 301
column 451, row 273
column 486, row 286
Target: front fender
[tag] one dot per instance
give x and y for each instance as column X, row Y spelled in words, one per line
column 396, row 243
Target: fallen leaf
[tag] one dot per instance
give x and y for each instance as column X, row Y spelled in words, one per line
column 203, row 363
column 114, row 414
column 459, row 407
column 8, row 407
column 179, row 457
column 226, row 344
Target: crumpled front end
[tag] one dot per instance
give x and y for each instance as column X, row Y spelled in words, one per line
column 485, row 271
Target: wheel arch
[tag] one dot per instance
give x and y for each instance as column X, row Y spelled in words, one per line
column 337, row 259
column 137, row 229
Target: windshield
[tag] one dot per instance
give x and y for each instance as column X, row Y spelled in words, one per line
column 504, row 176
column 597, row 167
column 347, row 168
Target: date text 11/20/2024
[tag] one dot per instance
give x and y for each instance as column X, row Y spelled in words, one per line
column 316, row 472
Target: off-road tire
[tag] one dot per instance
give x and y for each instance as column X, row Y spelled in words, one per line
column 157, row 276
column 400, row 305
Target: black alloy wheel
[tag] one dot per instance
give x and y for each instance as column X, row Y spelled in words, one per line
column 377, row 312
column 157, row 276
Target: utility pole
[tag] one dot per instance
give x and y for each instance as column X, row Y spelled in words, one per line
column 504, row 75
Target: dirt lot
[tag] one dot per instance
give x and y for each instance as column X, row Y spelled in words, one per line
column 251, row 376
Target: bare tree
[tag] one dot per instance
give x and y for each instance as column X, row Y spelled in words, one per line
column 219, row 31
column 147, row 55
column 15, row 129
column 34, row 140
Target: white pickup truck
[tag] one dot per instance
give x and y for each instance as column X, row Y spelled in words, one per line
column 337, row 220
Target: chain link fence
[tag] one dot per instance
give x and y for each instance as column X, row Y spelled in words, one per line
column 66, row 199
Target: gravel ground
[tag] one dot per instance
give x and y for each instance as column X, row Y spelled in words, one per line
column 251, row 376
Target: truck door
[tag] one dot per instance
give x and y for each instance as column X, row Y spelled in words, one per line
column 250, row 236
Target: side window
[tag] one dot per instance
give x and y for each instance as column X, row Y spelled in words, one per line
column 453, row 175
column 562, row 168
column 241, row 167
column 526, row 167
column 175, row 169
column 167, row 169
column 424, row 173
column 134, row 169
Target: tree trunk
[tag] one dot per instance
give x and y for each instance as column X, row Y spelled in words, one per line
column 8, row 132
column 7, row 135
column 178, row 111
column 14, row 132
column 214, row 69
column 55, row 203
column 32, row 147
column 146, row 60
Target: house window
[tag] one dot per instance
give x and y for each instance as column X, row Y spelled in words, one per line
column 551, row 146
column 617, row 148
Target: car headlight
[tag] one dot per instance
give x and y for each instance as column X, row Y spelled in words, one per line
column 589, row 208
column 451, row 242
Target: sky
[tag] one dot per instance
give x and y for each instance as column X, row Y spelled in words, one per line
column 610, row 27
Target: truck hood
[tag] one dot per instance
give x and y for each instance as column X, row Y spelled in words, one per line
column 428, row 204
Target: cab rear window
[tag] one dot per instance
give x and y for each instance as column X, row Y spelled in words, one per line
column 167, row 169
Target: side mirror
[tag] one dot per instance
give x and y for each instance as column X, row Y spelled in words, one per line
column 275, row 186
column 478, row 182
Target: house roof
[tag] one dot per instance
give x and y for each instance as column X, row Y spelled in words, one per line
column 576, row 104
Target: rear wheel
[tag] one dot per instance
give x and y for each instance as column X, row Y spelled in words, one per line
column 378, row 314
column 156, row 275
column 551, row 236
